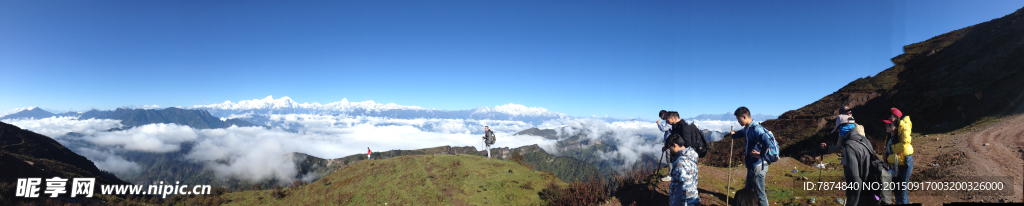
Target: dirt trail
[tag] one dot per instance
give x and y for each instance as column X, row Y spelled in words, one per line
column 22, row 142
column 995, row 151
column 973, row 154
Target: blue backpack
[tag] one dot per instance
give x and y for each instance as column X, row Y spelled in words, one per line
column 773, row 147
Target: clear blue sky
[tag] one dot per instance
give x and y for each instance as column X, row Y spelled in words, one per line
column 623, row 59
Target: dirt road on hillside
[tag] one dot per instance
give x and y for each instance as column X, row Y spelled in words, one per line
column 995, row 151
column 986, row 153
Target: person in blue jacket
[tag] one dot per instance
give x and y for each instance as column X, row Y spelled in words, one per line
column 757, row 142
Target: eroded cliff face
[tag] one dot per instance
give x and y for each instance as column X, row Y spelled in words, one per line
column 945, row 83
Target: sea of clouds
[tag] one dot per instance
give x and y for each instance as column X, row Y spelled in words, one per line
column 259, row 153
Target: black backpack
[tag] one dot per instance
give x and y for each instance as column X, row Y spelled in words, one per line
column 693, row 137
column 878, row 171
column 490, row 138
column 697, row 140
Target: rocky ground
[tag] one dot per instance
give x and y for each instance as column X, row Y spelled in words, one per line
column 986, row 152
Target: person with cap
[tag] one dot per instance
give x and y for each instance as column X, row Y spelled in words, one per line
column 844, row 124
column 856, row 161
column 902, row 153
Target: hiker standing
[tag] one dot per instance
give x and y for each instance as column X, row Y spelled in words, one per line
column 856, row 159
column 683, row 188
column 899, row 128
column 664, row 127
column 757, row 142
column 856, row 163
column 367, row 152
column 667, row 129
column 676, row 127
column 488, row 140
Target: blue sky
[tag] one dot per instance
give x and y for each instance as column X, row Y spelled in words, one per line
column 623, row 59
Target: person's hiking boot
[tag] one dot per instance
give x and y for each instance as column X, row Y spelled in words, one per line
column 666, row 178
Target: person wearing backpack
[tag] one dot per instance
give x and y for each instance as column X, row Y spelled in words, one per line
column 902, row 154
column 761, row 150
column 488, row 140
column 683, row 188
column 861, row 165
column 692, row 137
column 675, row 126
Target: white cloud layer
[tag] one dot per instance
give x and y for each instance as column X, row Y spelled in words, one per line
column 108, row 161
column 717, row 125
column 58, row 126
column 259, row 153
column 631, row 138
column 156, row 138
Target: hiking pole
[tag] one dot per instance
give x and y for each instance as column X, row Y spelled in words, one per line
column 821, row 162
column 728, row 184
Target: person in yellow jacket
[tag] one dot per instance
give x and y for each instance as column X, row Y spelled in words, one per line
column 900, row 151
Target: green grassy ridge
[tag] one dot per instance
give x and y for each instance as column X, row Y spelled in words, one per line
column 415, row 180
column 565, row 167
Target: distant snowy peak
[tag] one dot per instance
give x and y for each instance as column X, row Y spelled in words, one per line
column 270, row 103
column 518, row 110
column 286, row 105
column 142, row 107
column 26, row 113
column 16, row 110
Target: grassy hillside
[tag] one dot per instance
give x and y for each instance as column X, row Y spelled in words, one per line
column 566, row 168
column 26, row 154
column 414, row 180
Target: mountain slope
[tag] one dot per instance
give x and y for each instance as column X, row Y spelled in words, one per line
column 34, row 112
column 198, row 119
column 26, row 154
column 416, row 180
column 944, row 83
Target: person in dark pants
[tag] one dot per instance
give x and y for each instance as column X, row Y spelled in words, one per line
column 678, row 127
column 666, row 128
column 856, row 162
column 757, row 142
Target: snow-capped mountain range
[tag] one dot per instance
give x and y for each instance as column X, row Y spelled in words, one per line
column 257, row 110
column 286, row 105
